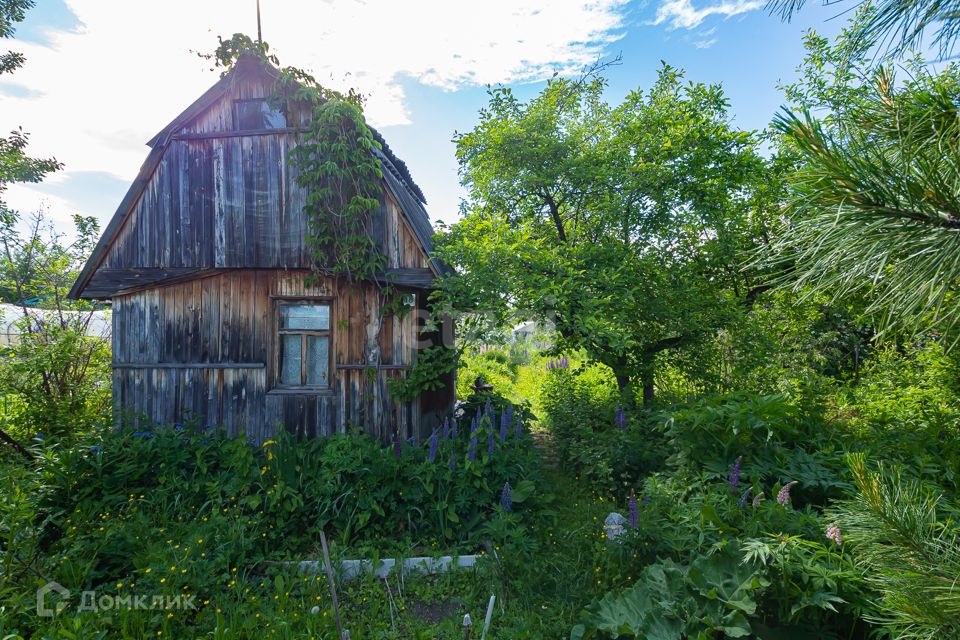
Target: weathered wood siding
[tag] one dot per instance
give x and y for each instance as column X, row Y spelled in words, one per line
column 210, row 235
column 203, row 351
column 222, row 198
column 234, row 203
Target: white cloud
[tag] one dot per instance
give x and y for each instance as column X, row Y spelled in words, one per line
column 681, row 14
column 95, row 95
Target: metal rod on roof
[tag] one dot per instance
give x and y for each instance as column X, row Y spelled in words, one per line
column 259, row 34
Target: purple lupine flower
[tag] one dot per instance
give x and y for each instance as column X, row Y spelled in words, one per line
column 490, row 444
column 446, row 428
column 564, row 363
column 473, row 425
column 397, row 446
column 733, row 479
column 506, row 498
column 833, row 533
column 453, row 461
column 783, row 497
column 433, row 446
column 504, row 421
column 472, row 450
column 621, row 419
column 454, row 431
column 634, row 512
column 744, row 499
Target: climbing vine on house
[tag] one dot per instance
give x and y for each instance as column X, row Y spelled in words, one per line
column 338, row 167
column 337, row 164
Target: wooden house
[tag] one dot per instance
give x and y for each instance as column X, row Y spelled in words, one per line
column 206, row 265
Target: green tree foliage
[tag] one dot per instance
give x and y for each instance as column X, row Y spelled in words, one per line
column 55, row 375
column 623, row 225
column 909, row 552
column 12, row 12
column 900, row 24
column 15, row 164
column 875, row 206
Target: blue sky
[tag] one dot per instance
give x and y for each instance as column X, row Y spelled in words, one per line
column 103, row 77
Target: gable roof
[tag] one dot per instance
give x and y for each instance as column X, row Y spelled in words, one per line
column 397, row 178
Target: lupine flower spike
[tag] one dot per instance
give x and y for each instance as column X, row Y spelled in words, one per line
column 454, row 431
column 453, row 461
column 473, row 425
column 833, row 533
column 744, row 499
column 621, row 419
column 634, row 512
column 490, row 444
column 433, row 446
column 784, row 496
column 504, row 421
column 506, row 498
column 397, row 446
column 472, row 450
column 734, row 478
column 446, row 428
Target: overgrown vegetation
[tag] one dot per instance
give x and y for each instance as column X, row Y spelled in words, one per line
column 795, row 475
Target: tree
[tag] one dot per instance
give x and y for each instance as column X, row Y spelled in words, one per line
column 58, row 367
column 875, row 205
column 55, row 368
column 624, row 226
column 15, row 164
column 900, row 24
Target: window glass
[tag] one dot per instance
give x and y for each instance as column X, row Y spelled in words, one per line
column 304, row 344
column 318, row 360
column 290, row 359
column 258, row 114
column 311, row 317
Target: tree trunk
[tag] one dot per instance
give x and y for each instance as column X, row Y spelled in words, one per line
column 646, row 378
column 623, row 375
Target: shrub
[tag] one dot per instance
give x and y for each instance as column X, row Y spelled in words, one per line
column 176, row 512
column 710, row 561
column 580, row 409
column 774, row 439
column 493, row 366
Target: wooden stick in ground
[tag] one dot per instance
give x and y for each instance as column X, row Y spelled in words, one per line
column 333, row 587
column 467, row 624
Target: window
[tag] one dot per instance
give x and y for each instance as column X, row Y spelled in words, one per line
column 303, row 344
column 258, row 114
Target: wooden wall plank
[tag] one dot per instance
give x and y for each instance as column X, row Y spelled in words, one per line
column 225, row 321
